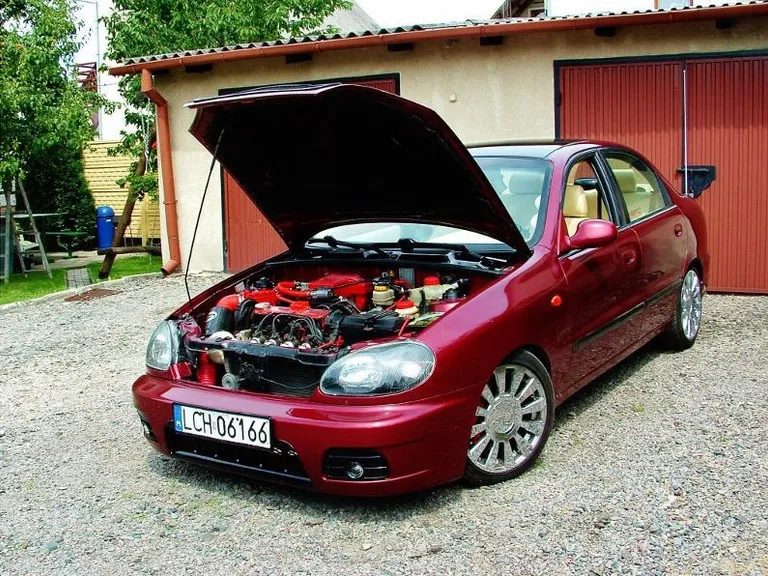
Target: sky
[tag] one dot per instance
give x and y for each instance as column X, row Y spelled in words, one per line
column 399, row 12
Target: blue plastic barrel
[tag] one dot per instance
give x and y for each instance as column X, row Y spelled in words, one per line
column 105, row 226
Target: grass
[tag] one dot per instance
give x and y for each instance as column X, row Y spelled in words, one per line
column 38, row 284
column 143, row 264
column 34, row 285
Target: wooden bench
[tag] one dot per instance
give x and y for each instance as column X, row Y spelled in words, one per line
column 70, row 237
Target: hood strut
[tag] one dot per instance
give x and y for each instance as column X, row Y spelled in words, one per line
column 199, row 213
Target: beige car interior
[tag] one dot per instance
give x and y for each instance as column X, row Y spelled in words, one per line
column 580, row 204
column 639, row 198
column 642, row 194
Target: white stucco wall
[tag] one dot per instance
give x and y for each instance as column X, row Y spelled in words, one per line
column 502, row 93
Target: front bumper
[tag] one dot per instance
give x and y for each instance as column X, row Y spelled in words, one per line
column 423, row 443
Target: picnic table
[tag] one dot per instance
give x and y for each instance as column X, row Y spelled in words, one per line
column 69, row 236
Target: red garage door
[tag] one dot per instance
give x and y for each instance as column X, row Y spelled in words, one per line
column 728, row 127
column 641, row 105
column 249, row 238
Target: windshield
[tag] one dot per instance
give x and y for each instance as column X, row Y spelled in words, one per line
column 520, row 184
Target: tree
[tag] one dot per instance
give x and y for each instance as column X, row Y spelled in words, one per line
column 44, row 114
column 141, row 27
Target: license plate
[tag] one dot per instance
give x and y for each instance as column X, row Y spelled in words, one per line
column 235, row 428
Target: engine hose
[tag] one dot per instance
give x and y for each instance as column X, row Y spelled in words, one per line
column 286, row 290
column 206, row 370
column 222, row 316
column 243, row 313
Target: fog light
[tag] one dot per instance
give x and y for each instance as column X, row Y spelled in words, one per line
column 355, row 471
column 360, row 464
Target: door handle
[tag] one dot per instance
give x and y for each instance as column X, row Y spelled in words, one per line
column 629, row 257
column 678, row 230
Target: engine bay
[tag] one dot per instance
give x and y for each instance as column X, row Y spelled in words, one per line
column 278, row 335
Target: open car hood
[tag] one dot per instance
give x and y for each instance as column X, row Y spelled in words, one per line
column 316, row 156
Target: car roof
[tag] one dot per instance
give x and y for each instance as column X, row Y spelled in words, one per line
column 525, row 148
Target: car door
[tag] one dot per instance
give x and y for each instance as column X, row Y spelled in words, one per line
column 659, row 224
column 605, row 293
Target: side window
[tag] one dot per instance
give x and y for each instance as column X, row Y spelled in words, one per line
column 638, row 186
column 584, row 197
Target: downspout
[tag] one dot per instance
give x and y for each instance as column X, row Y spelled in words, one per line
column 166, row 164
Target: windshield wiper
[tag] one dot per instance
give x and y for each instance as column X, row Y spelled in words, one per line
column 334, row 243
column 408, row 244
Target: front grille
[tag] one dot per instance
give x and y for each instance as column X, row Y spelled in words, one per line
column 282, row 376
column 338, row 461
column 268, row 369
column 280, row 464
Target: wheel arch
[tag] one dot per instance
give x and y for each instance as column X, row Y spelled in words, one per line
column 537, row 351
column 696, row 265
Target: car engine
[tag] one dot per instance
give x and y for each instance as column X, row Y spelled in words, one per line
column 280, row 336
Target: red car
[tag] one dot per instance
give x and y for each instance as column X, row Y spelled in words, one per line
column 435, row 303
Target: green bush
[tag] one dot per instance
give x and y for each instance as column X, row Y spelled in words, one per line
column 55, row 183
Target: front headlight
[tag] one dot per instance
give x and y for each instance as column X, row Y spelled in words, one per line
column 162, row 349
column 379, row 369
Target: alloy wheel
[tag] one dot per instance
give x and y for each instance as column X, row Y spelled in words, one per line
column 690, row 305
column 510, row 420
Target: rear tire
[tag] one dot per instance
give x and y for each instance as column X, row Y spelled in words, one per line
column 513, row 419
column 684, row 328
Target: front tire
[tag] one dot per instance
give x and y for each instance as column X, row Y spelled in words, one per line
column 513, row 418
column 684, row 328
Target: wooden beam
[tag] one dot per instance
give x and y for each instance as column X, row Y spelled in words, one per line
column 127, row 250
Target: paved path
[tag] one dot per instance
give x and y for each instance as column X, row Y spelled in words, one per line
column 77, row 278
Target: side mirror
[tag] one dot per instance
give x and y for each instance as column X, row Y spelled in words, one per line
column 593, row 233
column 587, row 183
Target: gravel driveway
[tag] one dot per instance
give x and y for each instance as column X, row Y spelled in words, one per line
column 659, row 467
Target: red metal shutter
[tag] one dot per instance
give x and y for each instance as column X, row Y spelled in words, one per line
column 638, row 105
column 250, row 239
column 728, row 127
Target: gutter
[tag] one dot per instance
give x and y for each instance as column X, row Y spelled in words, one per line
column 166, row 164
column 472, row 31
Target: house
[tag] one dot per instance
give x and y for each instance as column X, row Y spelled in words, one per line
column 617, row 76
